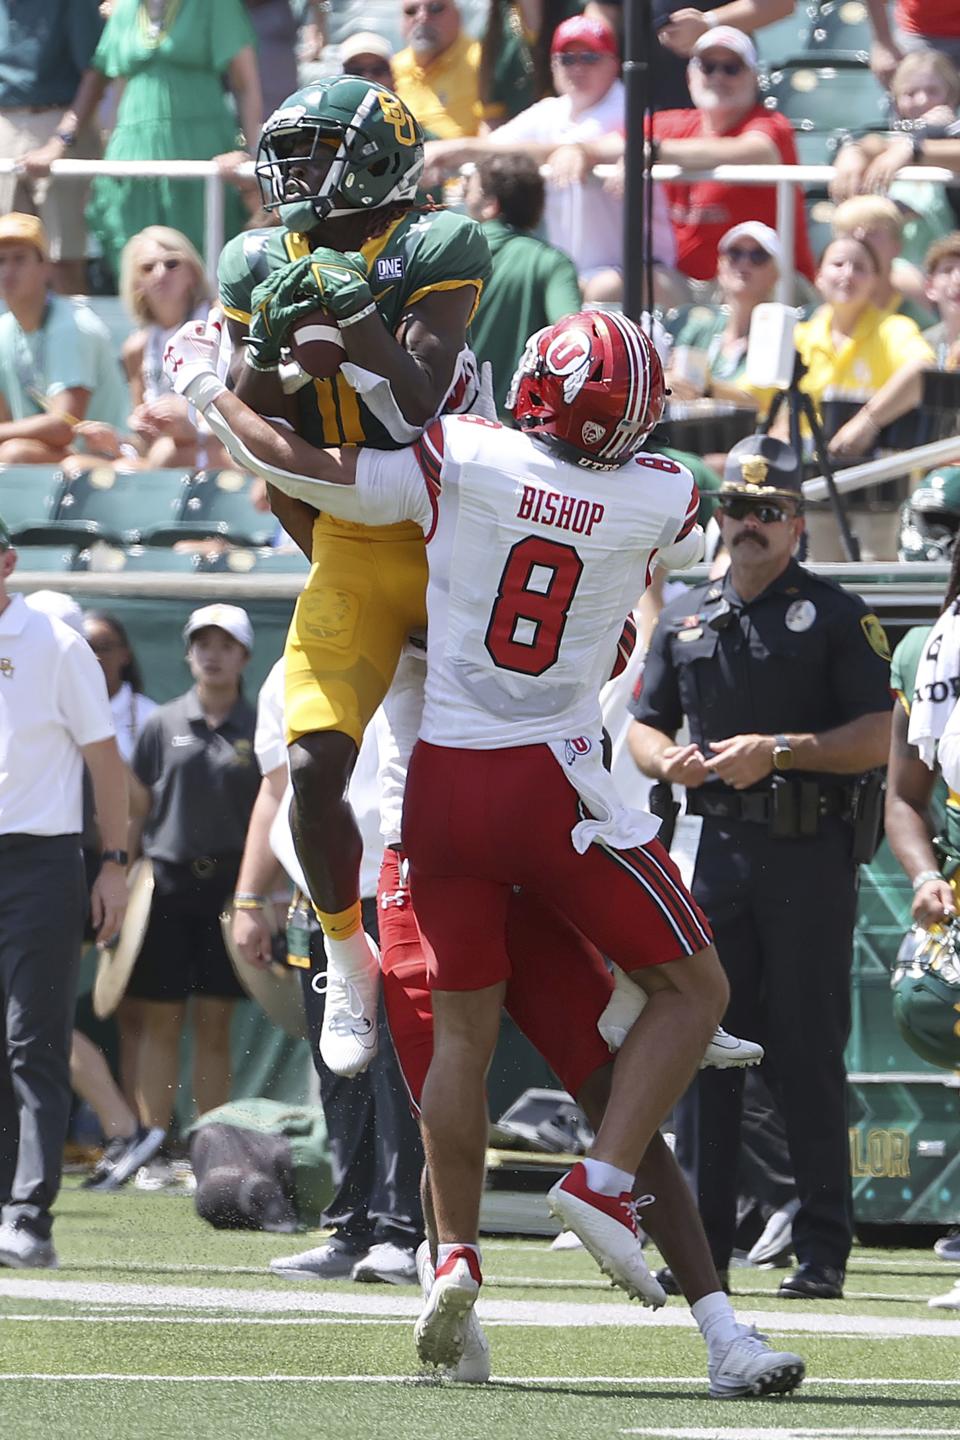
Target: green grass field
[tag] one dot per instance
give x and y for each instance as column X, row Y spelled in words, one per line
column 156, row 1325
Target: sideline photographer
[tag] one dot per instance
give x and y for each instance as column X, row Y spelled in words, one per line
column 783, row 680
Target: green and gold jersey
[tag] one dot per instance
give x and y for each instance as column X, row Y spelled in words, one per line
column 422, row 252
column 903, row 679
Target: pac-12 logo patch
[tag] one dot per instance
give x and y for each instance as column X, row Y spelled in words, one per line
column 575, row 749
column 592, row 432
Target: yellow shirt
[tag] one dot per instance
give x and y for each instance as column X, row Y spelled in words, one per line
column 443, row 95
column 880, row 345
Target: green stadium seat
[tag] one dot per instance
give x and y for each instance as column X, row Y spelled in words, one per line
column 218, row 503
column 29, row 495
column 143, row 557
column 261, row 561
column 48, row 557
column 840, row 29
column 826, row 97
column 119, row 507
column 785, row 39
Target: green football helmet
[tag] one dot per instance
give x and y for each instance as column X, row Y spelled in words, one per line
column 926, row 994
column 930, row 518
column 376, row 143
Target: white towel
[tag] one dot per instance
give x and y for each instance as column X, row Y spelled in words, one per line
column 611, row 822
column 937, row 686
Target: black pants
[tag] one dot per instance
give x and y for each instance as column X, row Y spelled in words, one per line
column 43, row 903
column 374, row 1140
column 782, row 912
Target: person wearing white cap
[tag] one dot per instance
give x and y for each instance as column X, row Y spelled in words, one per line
column 710, row 341
column 368, row 55
column 195, row 779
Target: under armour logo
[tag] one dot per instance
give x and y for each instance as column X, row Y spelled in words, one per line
column 171, row 360
column 400, row 898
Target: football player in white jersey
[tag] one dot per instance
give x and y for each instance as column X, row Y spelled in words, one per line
column 539, row 541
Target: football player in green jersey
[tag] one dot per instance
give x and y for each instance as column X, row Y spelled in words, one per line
column 339, row 162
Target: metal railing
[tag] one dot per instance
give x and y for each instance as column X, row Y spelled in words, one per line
column 784, row 177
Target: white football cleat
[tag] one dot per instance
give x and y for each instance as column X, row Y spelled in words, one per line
column 626, row 1005
column 473, row 1367
column 748, row 1366
column 348, row 1037
column 950, row 1301
column 441, row 1329
column 607, row 1225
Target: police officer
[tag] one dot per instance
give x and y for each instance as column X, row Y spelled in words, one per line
column 195, row 779
column 782, row 678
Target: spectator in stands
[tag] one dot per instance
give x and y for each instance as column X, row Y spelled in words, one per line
column 45, row 49
column 926, row 91
column 942, row 271
column 852, row 350
column 532, row 284
column 918, row 25
column 436, row 75
column 899, row 287
column 368, row 55
column 162, row 285
column 582, row 217
column 194, row 783
column 710, row 341
column 515, row 55
column 179, row 64
column 57, row 366
column 679, row 30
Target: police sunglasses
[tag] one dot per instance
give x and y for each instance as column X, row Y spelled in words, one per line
column 763, row 511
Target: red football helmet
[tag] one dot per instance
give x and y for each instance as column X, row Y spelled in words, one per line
column 590, row 387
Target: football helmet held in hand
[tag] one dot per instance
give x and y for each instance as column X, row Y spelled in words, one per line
column 926, row 993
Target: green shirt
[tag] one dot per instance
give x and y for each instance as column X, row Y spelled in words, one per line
column 45, row 46
column 701, row 327
column 903, row 678
column 532, row 285
column 418, row 254
column 71, row 350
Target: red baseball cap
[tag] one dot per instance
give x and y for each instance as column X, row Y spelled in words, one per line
column 585, row 34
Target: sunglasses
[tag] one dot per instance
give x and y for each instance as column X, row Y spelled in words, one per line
column 367, row 71
column 432, row 7
column 730, row 68
column 566, row 58
column 169, row 262
column 767, row 514
column 740, row 256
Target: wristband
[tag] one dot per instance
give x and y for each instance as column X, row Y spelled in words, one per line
column 67, row 138
column 360, row 315
column 203, row 389
column 250, row 902
column 924, row 878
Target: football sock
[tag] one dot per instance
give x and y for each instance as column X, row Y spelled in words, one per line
column 341, row 924
column 607, row 1179
column 347, row 947
column 716, row 1318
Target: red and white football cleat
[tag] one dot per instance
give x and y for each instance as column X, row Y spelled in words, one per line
column 441, row 1329
column 607, row 1225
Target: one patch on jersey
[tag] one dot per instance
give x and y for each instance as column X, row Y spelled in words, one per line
column 800, row 616
column 876, row 636
column 389, row 267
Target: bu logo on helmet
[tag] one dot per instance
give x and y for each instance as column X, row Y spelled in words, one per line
column 397, row 115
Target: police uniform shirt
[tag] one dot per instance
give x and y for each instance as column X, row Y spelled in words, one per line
column 804, row 656
column 204, row 781
column 53, row 701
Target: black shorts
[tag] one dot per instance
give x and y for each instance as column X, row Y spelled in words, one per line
column 183, row 952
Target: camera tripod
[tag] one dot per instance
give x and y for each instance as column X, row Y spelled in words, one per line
column 800, row 406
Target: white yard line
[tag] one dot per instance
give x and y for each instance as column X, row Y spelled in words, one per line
column 513, row 1381
column 543, row 1313
column 751, row 1432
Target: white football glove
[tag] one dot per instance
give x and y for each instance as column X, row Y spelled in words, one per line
column 623, row 1008
column 190, row 360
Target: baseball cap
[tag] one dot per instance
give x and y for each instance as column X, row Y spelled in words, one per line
column 231, row 618
column 26, row 228
column 55, row 602
column 365, row 42
column 585, row 33
column 725, row 37
column 761, row 468
column 766, row 238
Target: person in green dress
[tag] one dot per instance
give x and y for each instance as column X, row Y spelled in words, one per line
column 177, row 59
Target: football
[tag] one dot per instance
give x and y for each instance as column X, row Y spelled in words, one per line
column 316, row 346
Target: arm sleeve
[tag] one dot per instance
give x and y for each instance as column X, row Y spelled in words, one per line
column 82, row 694
column 656, row 697
column 859, row 661
column 268, row 741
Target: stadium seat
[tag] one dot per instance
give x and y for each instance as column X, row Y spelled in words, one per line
column 29, row 495
column 826, row 97
column 261, row 561
column 218, row 503
column 48, row 557
column 120, row 507
column 112, row 560
column 786, row 39
column 840, row 30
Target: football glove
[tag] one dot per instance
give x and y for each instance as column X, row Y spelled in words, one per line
column 325, row 278
column 190, row 360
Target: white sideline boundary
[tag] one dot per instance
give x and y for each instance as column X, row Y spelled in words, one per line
column 545, row 1314
column 513, row 1381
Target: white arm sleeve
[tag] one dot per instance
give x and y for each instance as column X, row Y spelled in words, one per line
column 682, row 553
column 269, row 745
column 948, row 750
column 389, row 484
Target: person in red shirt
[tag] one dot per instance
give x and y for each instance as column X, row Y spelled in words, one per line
column 917, row 25
column 727, row 126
